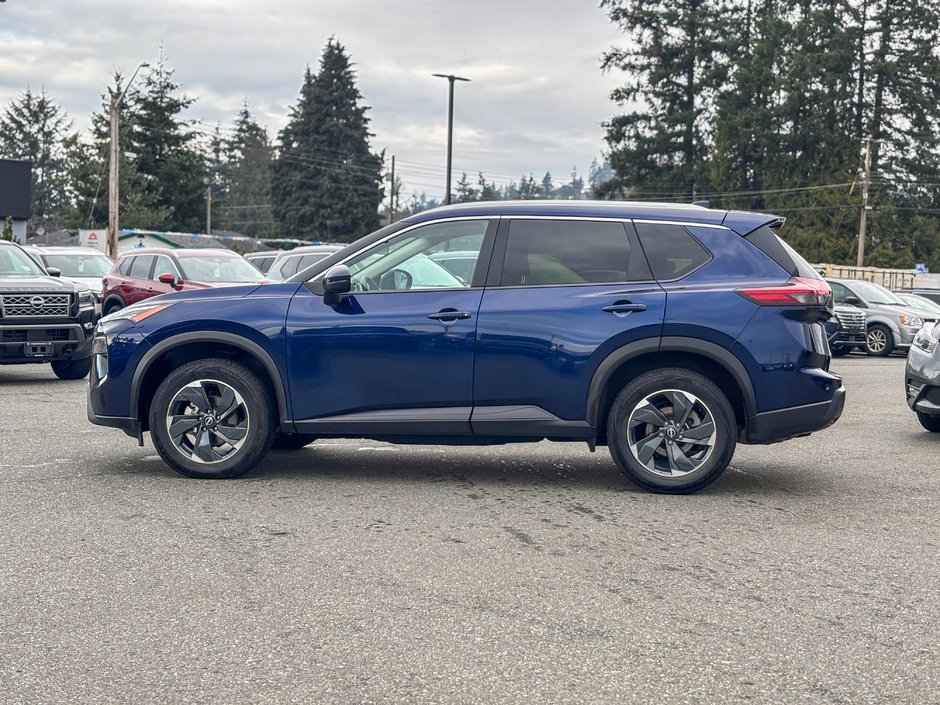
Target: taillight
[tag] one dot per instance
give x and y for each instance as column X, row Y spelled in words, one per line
column 799, row 291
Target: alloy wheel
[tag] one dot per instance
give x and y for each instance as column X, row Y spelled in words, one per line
column 877, row 340
column 671, row 433
column 207, row 421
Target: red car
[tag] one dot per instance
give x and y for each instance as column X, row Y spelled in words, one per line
column 140, row 274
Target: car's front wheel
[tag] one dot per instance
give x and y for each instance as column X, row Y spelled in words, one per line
column 879, row 341
column 672, row 431
column 931, row 423
column 71, row 369
column 212, row 418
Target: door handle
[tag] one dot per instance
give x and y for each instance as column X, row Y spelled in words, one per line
column 448, row 315
column 622, row 308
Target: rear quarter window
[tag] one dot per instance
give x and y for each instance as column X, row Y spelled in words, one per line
column 768, row 242
column 672, row 251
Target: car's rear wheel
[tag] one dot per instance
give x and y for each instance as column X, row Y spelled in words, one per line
column 931, row 423
column 879, row 341
column 212, row 418
column 672, row 431
column 71, row 369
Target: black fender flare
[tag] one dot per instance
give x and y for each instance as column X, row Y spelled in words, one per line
column 717, row 354
column 236, row 341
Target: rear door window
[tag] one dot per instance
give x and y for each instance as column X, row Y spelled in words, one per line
column 671, row 250
column 564, row 252
column 141, row 266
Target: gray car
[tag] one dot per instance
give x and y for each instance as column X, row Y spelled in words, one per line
column 289, row 262
column 892, row 324
column 922, row 377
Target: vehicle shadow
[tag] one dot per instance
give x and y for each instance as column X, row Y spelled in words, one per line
column 12, row 375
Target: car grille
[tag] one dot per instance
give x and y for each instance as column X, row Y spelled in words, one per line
column 854, row 321
column 33, row 305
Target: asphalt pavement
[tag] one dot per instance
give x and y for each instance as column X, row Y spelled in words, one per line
column 361, row 572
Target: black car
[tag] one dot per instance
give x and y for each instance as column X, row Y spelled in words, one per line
column 847, row 329
column 43, row 318
column 932, row 294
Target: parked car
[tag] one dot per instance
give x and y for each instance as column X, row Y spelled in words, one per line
column 141, row 274
column 43, row 318
column 892, row 324
column 847, row 330
column 84, row 265
column 261, row 261
column 932, row 294
column 460, row 263
column 919, row 302
column 922, row 377
column 289, row 262
column 668, row 333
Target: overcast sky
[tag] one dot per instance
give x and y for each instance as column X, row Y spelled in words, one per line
column 535, row 104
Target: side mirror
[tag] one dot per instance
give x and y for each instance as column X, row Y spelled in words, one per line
column 336, row 282
column 853, row 301
column 54, row 271
column 168, row 278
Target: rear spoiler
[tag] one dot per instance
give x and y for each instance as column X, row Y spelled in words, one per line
column 744, row 222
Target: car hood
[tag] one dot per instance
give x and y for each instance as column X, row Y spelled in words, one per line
column 215, row 293
column 38, row 284
column 93, row 283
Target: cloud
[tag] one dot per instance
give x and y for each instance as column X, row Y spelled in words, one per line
column 535, row 102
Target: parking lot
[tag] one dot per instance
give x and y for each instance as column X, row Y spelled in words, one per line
column 356, row 571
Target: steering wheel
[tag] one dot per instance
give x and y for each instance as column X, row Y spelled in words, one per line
column 396, row 279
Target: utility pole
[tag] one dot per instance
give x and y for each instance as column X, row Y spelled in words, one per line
column 450, row 127
column 113, row 178
column 391, row 197
column 208, row 183
column 863, row 224
column 113, row 162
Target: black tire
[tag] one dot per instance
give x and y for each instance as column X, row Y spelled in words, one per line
column 113, row 306
column 72, row 369
column 292, row 441
column 630, row 420
column 225, row 416
column 931, row 423
column 879, row 341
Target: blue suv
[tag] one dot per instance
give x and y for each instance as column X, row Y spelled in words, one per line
column 668, row 333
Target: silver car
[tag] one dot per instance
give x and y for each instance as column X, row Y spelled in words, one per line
column 289, row 262
column 892, row 324
column 922, row 377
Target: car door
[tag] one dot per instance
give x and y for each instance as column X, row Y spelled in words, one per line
column 561, row 295
column 135, row 284
column 162, row 265
column 396, row 354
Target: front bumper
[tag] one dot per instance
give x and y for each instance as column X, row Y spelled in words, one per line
column 130, row 426
column 783, row 424
column 848, row 339
column 922, row 381
column 23, row 343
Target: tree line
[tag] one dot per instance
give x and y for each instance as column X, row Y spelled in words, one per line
column 768, row 105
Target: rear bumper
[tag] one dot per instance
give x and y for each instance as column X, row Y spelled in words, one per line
column 782, row 424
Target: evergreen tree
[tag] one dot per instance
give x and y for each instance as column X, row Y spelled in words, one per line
column 327, row 183
column 547, row 187
column 675, row 63
column 7, row 232
column 168, row 152
column 88, row 170
column 244, row 178
column 528, row 188
column 36, row 129
column 488, row 191
column 465, row 191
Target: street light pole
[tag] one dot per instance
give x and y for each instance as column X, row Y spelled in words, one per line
column 113, row 163
column 450, row 126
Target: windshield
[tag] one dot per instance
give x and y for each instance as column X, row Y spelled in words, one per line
column 80, row 264
column 875, row 294
column 218, row 268
column 924, row 304
column 16, row 263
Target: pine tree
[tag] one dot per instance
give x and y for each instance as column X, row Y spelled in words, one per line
column 7, row 232
column 327, row 183
column 547, row 186
column 36, row 129
column 465, row 191
column 168, row 152
column 675, row 63
column 244, row 178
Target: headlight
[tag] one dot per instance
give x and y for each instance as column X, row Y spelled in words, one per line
column 912, row 321
column 924, row 339
column 86, row 298
column 137, row 312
